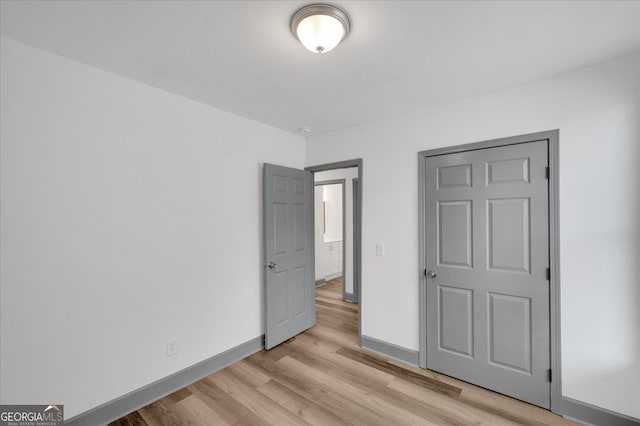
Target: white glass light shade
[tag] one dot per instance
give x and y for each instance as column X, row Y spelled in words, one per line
column 320, row 33
column 320, row 27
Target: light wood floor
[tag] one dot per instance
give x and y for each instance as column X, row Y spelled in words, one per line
column 322, row 377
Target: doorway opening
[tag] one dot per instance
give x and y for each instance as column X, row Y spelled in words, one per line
column 337, row 242
column 329, row 231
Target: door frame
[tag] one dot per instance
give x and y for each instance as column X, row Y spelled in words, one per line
column 344, row 222
column 357, row 236
column 357, row 260
column 554, row 245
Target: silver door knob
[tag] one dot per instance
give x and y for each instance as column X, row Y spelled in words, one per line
column 271, row 265
column 431, row 273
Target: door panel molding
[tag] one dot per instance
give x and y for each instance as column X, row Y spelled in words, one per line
column 455, row 217
column 462, row 321
column 496, row 175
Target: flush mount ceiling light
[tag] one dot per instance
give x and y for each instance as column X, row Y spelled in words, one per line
column 320, row 27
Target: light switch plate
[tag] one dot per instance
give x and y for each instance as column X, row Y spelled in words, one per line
column 379, row 249
column 172, row 347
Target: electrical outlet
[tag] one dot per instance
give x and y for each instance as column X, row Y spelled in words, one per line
column 172, row 347
column 379, row 249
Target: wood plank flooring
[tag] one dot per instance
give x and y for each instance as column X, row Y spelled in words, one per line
column 322, row 377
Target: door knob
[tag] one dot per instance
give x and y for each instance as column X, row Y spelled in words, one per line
column 271, row 265
column 431, row 273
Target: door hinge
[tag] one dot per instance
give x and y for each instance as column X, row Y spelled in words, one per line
column 546, row 172
column 548, row 274
column 549, row 372
column 424, row 272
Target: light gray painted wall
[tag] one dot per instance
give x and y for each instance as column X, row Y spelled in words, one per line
column 596, row 110
column 129, row 216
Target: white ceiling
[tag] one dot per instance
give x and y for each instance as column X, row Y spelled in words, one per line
column 240, row 56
